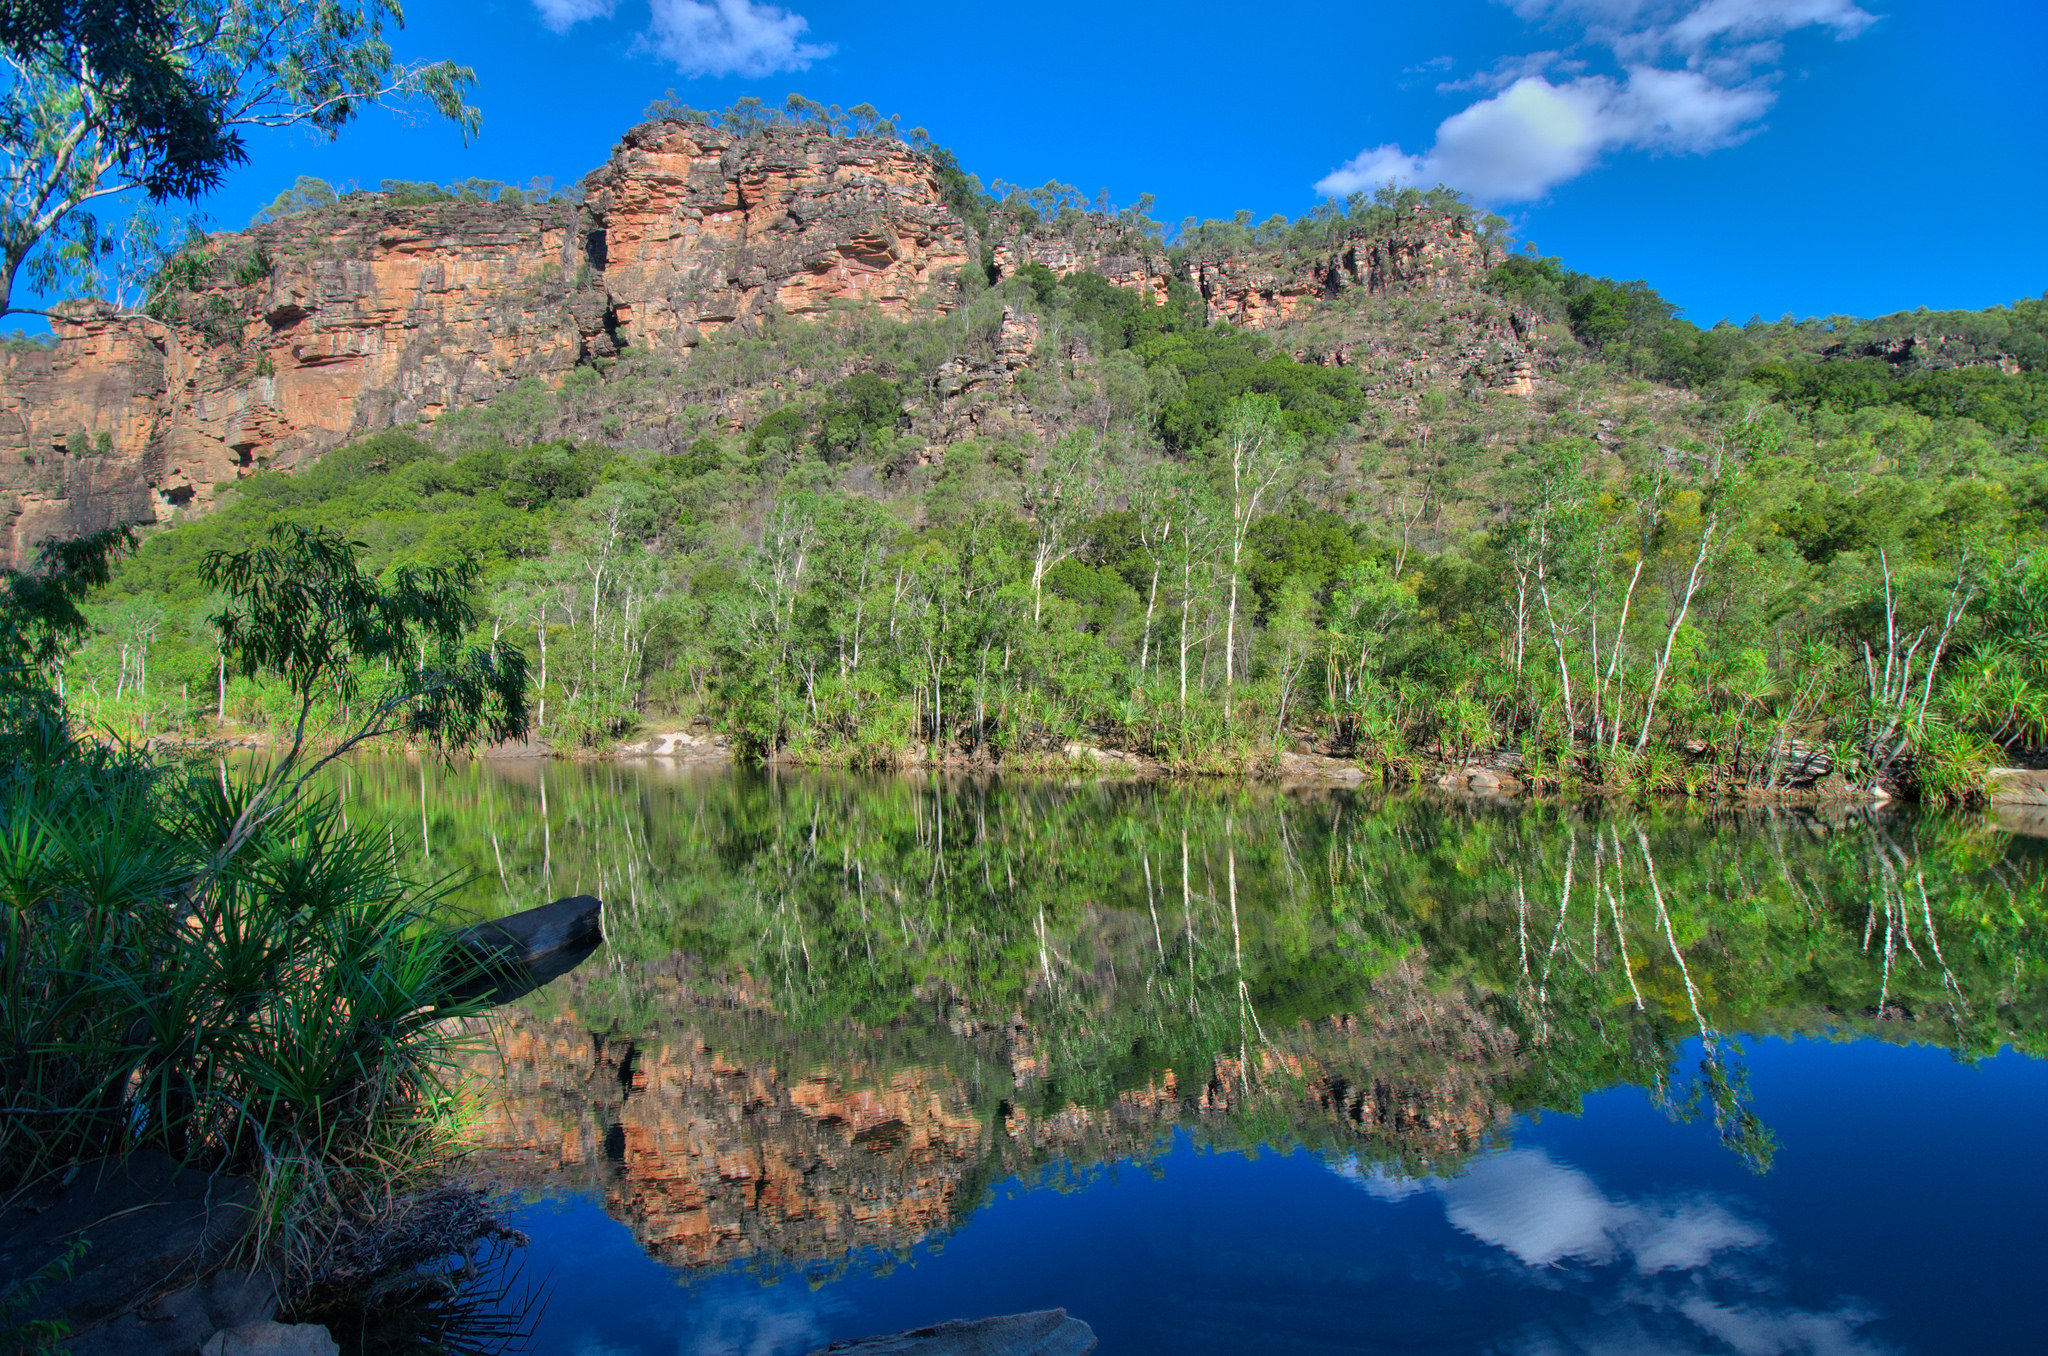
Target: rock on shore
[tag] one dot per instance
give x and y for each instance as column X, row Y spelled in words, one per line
column 1047, row 1332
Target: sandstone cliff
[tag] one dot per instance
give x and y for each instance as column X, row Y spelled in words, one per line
column 302, row 333
column 329, row 324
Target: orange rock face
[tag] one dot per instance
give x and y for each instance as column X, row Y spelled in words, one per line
column 697, row 230
column 1254, row 292
column 330, row 324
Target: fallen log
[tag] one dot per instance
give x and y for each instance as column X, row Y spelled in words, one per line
column 507, row 958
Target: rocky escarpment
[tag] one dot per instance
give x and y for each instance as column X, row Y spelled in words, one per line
column 324, row 325
column 1316, row 302
column 1264, row 287
column 693, row 230
column 1125, row 253
column 296, row 335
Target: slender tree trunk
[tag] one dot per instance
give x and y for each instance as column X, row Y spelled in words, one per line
column 1692, row 580
column 540, row 714
column 1151, row 599
column 1615, row 671
column 1186, row 579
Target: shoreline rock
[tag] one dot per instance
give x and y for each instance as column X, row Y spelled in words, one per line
column 1046, row 1332
column 2016, row 786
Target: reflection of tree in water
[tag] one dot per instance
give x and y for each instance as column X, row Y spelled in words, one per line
column 916, row 988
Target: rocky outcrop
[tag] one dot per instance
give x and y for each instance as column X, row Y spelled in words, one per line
column 1436, row 254
column 1130, row 257
column 297, row 335
column 305, row 332
column 301, row 334
column 1918, row 351
column 1261, row 288
column 76, row 425
column 1437, row 258
column 694, row 229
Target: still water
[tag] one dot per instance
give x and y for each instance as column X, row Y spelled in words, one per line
column 1225, row 1069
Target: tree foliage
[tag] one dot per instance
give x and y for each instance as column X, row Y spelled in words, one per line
column 148, row 98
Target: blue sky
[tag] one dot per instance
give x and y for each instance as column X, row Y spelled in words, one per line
column 1747, row 157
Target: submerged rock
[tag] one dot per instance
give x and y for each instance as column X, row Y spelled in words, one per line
column 266, row 1337
column 1047, row 1332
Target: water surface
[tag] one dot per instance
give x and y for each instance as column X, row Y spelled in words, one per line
column 1237, row 1069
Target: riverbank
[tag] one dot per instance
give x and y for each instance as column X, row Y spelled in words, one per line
column 1500, row 773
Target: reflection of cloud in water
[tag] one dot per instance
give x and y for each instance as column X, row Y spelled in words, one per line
column 1544, row 1213
column 1675, row 1296
column 763, row 1324
column 769, row 1322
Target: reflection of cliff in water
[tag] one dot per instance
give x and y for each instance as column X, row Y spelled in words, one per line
column 832, row 1010
column 716, row 1139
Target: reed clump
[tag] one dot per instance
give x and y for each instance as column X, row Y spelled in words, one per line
column 222, row 968
column 280, row 1013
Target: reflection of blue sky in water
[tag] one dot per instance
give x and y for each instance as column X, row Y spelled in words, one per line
column 1611, row 1231
column 1679, row 1274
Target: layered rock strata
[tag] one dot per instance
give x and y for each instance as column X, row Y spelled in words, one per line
column 300, row 334
column 325, row 325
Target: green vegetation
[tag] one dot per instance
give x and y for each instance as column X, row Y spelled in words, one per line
column 1480, row 957
column 308, row 194
column 1056, row 509
column 143, row 96
column 1228, row 552
column 225, row 969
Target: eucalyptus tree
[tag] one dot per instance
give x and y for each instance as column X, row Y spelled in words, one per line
column 1258, row 453
column 154, row 99
column 1061, row 496
column 394, row 657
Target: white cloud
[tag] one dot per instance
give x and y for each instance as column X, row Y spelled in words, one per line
column 563, row 15
column 1518, row 143
column 1694, row 76
column 707, row 37
column 731, row 37
column 1689, row 26
column 1369, row 169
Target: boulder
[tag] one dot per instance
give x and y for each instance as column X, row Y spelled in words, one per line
column 1047, row 1332
column 678, row 745
column 151, row 1229
column 2017, row 786
column 1314, row 769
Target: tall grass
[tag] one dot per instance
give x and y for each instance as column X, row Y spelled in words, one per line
column 276, row 1011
